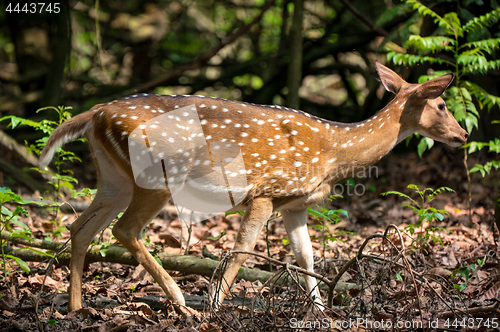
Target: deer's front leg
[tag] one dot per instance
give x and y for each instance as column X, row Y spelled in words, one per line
column 258, row 212
column 296, row 226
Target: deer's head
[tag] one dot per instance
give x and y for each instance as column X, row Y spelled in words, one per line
column 424, row 111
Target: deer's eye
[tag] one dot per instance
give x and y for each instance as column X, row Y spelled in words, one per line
column 442, row 107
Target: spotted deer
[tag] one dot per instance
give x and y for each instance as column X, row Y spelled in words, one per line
column 291, row 161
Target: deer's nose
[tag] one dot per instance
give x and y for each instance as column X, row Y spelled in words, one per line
column 462, row 138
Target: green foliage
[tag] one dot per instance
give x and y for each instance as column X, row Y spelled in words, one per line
column 216, row 238
column 104, row 248
column 52, row 321
column 466, row 272
column 156, row 249
column 62, row 178
column 457, row 46
column 423, row 211
column 8, row 220
column 325, row 215
column 493, row 146
column 426, row 196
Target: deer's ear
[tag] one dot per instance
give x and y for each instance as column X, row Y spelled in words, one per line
column 391, row 81
column 435, row 87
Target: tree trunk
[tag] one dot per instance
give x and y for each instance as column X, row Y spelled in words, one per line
column 295, row 65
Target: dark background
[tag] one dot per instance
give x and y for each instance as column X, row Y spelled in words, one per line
column 83, row 56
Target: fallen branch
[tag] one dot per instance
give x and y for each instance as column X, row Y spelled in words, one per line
column 181, row 263
column 478, row 310
column 41, row 244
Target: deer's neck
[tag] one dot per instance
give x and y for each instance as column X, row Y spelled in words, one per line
column 356, row 146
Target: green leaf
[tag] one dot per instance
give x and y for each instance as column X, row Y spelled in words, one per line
column 234, row 212
column 53, row 321
column 484, row 98
column 158, row 260
column 22, row 264
column 6, row 212
column 454, row 27
column 478, row 168
column 20, row 224
column 399, row 194
column 424, row 144
column 471, row 122
column 425, row 11
column 483, row 21
column 43, row 253
column 216, row 238
column 6, row 195
column 432, row 44
column 412, row 59
column 437, row 73
column 487, row 45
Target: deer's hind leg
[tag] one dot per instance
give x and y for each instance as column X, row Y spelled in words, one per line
column 114, row 191
column 145, row 205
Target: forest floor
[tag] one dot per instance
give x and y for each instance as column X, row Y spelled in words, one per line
column 407, row 287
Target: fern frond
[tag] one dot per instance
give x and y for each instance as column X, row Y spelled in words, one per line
column 439, row 191
column 473, row 63
column 442, row 22
column 413, row 59
column 430, row 44
column 437, row 73
column 400, row 194
column 482, row 21
column 487, row 45
column 484, row 98
column 456, row 103
column 454, row 22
